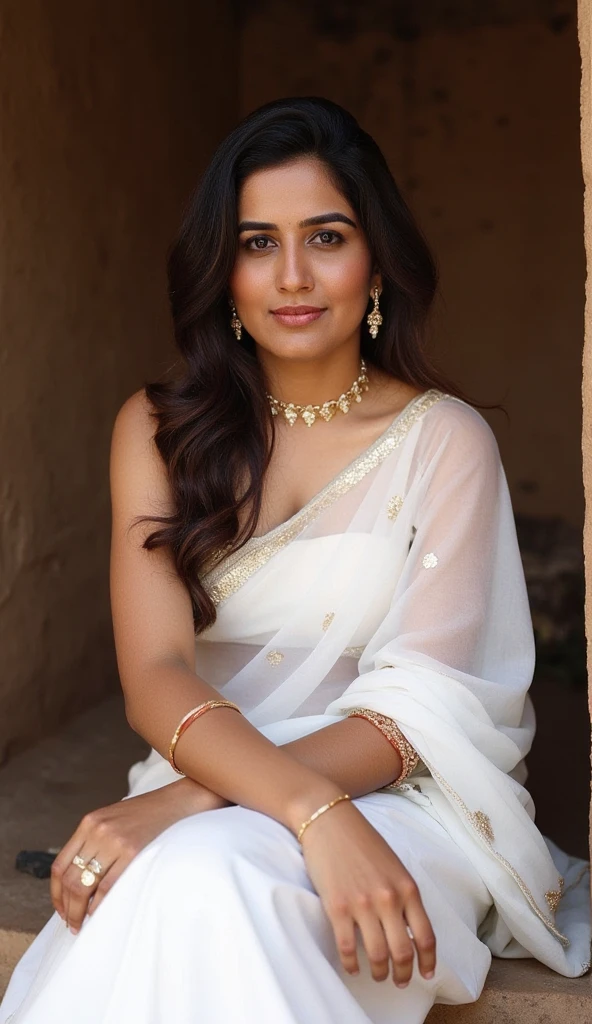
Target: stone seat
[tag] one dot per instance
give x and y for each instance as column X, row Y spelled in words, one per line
column 45, row 791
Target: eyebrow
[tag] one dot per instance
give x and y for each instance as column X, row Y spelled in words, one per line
column 321, row 218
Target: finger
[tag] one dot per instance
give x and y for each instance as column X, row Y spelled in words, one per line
column 77, row 895
column 401, row 951
column 400, row 945
column 61, row 864
column 107, row 881
column 345, row 938
column 423, row 937
column 374, row 940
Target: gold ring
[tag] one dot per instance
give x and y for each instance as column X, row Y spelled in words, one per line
column 78, row 861
column 95, row 865
column 88, row 877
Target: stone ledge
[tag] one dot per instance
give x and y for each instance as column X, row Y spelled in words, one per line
column 523, row 992
column 45, row 791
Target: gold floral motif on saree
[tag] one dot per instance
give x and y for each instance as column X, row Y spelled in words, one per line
column 553, row 896
column 354, row 652
column 482, row 823
column 394, row 506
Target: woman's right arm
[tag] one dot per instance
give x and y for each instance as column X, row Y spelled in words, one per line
column 155, row 643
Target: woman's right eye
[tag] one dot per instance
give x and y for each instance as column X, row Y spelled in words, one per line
column 257, row 242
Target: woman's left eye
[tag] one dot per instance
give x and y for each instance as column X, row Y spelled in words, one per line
column 328, row 237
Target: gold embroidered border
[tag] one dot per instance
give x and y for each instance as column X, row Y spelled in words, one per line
column 229, row 576
column 484, row 830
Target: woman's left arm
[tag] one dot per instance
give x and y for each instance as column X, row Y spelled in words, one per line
column 352, row 753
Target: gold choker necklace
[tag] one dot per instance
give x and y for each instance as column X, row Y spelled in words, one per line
column 327, row 410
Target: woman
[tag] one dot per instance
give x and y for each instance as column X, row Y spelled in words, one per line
column 308, row 529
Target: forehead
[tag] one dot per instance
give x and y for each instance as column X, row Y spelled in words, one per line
column 291, row 192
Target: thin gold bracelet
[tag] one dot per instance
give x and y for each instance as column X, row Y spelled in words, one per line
column 189, row 719
column 317, row 814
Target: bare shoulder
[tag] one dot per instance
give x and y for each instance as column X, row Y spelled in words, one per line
column 135, row 423
column 137, row 470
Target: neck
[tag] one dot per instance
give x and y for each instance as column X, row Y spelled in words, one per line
column 310, row 381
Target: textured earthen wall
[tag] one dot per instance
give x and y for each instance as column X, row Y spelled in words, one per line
column 476, row 108
column 585, row 33
column 107, row 112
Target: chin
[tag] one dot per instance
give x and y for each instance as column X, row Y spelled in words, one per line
column 296, row 349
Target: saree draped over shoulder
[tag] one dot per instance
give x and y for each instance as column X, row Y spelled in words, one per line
column 398, row 588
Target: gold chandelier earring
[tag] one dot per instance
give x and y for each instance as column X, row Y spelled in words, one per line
column 235, row 322
column 374, row 319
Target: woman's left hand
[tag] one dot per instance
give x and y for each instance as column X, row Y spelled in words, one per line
column 113, row 835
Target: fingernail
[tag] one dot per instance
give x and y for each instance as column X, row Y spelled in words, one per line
column 73, row 930
column 429, row 974
column 401, row 984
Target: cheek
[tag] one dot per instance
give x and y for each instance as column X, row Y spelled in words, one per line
column 248, row 280
column 346, row 282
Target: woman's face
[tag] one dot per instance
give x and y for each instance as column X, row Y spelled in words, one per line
column 303, row 272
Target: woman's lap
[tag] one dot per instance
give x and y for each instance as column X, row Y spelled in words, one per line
column 216, row 920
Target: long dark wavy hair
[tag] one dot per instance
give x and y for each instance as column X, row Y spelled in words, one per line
column 215, row 430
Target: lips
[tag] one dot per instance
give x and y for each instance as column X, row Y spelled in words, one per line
column 297, row 316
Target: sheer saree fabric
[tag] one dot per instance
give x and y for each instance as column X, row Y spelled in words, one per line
column 399, row 587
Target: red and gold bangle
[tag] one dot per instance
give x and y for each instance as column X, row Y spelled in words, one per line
column 189, row 719
column 390, row 729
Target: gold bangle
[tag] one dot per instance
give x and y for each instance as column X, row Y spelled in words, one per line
column 390, row 730
column 317, row 814
column 189, row 719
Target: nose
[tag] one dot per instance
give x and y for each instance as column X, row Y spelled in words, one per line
column 293, row 270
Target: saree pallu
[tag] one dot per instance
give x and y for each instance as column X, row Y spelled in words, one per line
column 400, row 588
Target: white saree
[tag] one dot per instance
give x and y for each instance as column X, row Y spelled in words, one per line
column 399, row 588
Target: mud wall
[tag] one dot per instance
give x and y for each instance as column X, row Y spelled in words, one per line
column 107, row 112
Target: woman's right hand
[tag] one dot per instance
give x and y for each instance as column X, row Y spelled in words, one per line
column 114, row 835
column 362, row 883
